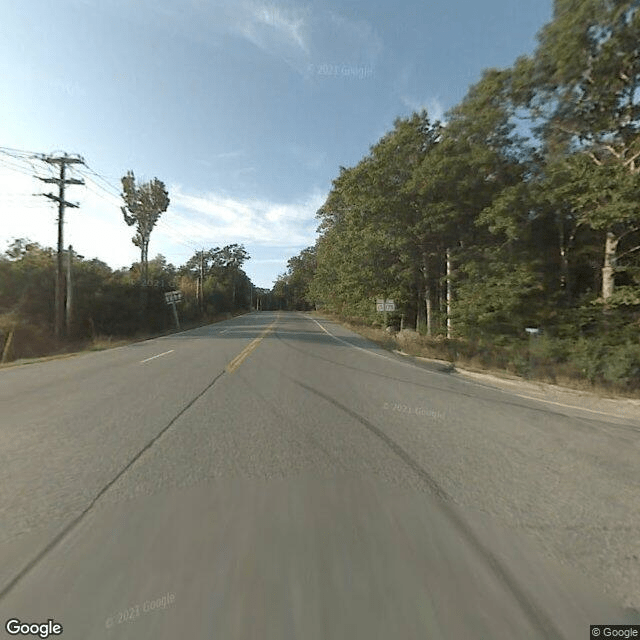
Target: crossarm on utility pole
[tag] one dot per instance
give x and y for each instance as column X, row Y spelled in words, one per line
column 62, row 181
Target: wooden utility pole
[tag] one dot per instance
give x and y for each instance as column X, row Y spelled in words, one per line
column 62, row 181
column 69, row 301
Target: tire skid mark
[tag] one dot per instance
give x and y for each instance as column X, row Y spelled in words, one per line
column 594, row 424
column 536, row 616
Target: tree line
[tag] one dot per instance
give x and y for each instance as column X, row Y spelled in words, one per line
column 102, row 301
column 520, row 211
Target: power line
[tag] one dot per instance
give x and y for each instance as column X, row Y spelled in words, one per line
column 162, row 223
column 95, row 174
column 186, row 242
column 100, row 192
column 16, row 166
column 176, row 235
column 23, row 161
column 18, row 151
column 100, row 195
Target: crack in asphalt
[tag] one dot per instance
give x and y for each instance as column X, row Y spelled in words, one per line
column 54, row 542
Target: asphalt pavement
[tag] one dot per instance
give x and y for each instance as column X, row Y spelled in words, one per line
column 278, row 476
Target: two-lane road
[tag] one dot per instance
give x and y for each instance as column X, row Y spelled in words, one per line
column 277, row 476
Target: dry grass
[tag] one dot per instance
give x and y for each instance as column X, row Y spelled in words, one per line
column 415, row 344
column 48, row 349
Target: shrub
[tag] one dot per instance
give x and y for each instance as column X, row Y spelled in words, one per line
column 587, row 357
column 621, row 367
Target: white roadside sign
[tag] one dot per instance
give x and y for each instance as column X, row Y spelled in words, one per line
column 385, row 305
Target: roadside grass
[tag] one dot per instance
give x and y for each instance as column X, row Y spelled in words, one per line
column 543, row 363
column 47, row 348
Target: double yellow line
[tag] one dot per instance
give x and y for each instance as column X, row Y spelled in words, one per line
column 240, row 358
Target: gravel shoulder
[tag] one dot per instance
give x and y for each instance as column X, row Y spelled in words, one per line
column 628, row 408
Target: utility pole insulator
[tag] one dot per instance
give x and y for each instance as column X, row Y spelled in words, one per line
column 65, row 159
column 57, row 180
column 71, row 205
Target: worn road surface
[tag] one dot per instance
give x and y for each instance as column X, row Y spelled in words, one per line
column 278, row 476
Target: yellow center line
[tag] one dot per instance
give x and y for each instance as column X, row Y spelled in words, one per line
column 240, row 358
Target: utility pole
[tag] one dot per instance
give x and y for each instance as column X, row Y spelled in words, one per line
column 68, row 315
column 62, row 181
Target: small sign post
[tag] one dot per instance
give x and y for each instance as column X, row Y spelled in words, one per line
column 171, row 297
column 533, row 332
column 383, row 306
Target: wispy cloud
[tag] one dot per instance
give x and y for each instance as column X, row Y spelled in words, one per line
column 193, row 220
column 220, row 219
column 228, row 154
column 288, row 23
column 96, row 229
column 291, row 32
column 280, row 31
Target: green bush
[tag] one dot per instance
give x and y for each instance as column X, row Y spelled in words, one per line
column 621, row 367
column 587, row 356
column 521, row 363
column 550, row 350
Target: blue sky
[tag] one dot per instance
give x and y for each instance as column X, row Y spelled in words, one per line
column 245, row 109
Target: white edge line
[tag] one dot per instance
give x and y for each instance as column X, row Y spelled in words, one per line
column 45, row 359
column 484, row 386
column 373, row 353
column 158, row 356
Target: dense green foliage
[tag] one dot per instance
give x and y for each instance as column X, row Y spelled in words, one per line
column 521, row 210
column 108, row 302
column 531, row 187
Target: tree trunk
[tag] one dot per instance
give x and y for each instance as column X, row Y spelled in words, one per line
column 142, row 263
column 233, row 290
column 427, row 292
column 440, row 303
column 7, row 346
column 69, row 301
column 564, row 263
column 420, row 320
column 608, row 277
column 146, row 262
column 564, row 272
